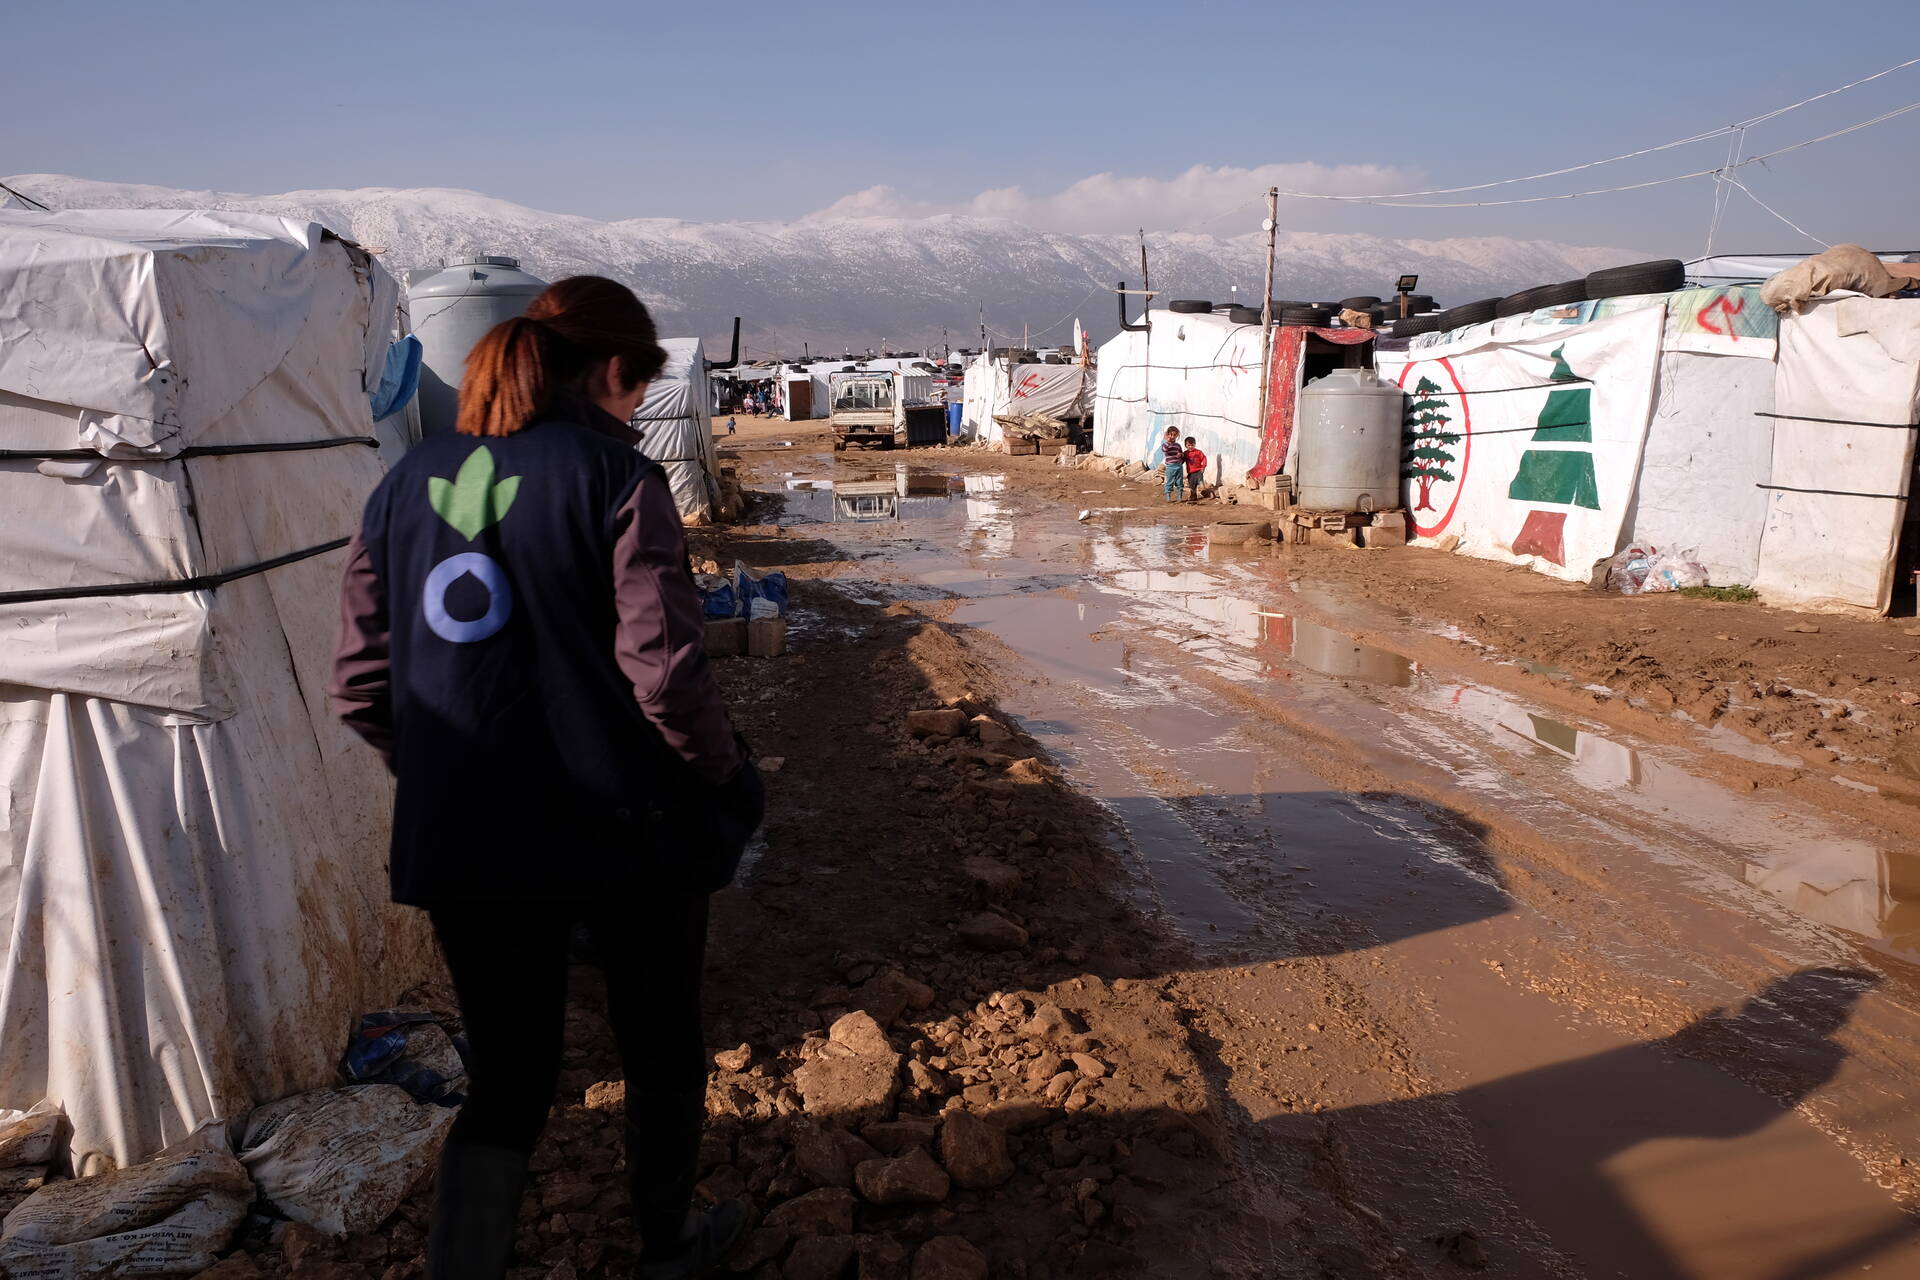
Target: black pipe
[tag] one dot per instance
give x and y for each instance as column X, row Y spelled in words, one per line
column 732, row 359
column 1134, row 328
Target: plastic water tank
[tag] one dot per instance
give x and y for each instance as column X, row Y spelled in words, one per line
column 1349, row 425
column 451, row 308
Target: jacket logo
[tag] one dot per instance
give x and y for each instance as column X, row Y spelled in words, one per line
column 470, row 502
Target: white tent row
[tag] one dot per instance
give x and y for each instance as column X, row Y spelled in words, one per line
column 1775, row 451
column 676, row 428
column 994, row 387
column 193, row 890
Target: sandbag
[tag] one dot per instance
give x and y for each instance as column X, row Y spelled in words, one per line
column 342, row 1160
column 1845, row 266
column 173, row 1215
column 30, row 1141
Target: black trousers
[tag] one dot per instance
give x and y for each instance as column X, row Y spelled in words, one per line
column 508, row 962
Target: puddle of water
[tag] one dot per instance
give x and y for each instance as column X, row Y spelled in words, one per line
column 871, row 496
column 1847, row 883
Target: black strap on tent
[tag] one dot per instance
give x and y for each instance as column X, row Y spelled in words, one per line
column 170, row 586
column 1494, row 391
column 1834, row 493
column 192, row 451
column 1839, row 422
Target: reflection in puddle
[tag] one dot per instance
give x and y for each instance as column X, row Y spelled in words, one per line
column 1828, row 878
column 1874, row 893
column 875, row 496
column 1278, row 639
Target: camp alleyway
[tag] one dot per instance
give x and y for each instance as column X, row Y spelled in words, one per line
column 1133, row 908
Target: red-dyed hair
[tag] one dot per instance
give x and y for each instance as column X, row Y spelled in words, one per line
column 536, row 365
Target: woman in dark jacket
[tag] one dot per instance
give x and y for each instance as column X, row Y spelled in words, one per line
column 522, row 639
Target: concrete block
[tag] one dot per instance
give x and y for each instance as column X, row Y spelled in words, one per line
column 766, row 637
column 726, row 637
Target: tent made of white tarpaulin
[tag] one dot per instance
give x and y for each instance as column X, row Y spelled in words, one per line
column 1846, row 396
column 1198, row 373
column 193, row 892
column 676, row 428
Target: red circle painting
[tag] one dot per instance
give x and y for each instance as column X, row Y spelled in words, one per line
column 1430, row 441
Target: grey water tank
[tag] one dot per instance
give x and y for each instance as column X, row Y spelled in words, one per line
column 1349, row 425
column 451, row 309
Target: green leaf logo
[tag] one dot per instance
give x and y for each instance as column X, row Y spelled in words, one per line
column 471, row 500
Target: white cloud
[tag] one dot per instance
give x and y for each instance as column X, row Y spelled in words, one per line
column 1112, row 203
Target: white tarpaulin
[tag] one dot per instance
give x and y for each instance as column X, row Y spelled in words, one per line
column 1527, row 451
column 676, row 428
column 1708, row 451
column 193, row 897
column 1198, row 373
column 1059, row 390
column 1847, row 385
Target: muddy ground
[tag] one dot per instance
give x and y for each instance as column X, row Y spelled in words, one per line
column 1276, row 912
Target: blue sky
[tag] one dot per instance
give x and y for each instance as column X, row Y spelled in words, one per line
column 771, row 111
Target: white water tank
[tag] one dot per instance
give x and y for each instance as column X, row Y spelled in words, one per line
column 451, row 309
column 1348, row 458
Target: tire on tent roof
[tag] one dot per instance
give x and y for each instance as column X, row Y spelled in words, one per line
column 1360, row 302
column 1420, row 303
column 1244, row 315
column 1317, row 316
column 1514, row 304
column 1472, row 313
column 1281, row 304
column 1190, row 306
column 1661, row 276
column 1413, row 325
column 1563, row 294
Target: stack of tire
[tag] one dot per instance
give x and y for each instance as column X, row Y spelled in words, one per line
column 1661, row 276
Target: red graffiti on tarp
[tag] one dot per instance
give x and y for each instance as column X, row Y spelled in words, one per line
column 1027, row 386
column 1727, row 305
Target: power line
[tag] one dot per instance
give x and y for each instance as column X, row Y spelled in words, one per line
column 1637, row 186
column 1594, row 164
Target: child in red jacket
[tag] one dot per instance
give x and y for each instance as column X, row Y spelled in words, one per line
column 1196, row 469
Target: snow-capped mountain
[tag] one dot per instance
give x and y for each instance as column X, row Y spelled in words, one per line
column 855, row 282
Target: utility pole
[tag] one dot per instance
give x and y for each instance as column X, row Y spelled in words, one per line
column 1023, row 335
column 985, row 350
column 1266, row 308
column 806, row 352
column 1146, row 281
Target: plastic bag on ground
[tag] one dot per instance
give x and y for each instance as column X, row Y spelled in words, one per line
column 410, row 1048
column 342, row 1160
column 718, row 599
column 750, row 585
column 1640, row 570
column 171, row 1216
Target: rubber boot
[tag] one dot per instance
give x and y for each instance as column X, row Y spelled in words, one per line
column 705, row 1241
column 476, row 1212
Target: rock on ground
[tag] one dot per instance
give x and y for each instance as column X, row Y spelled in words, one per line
column 949, row 1258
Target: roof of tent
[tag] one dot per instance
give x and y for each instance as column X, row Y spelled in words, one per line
column 676, row 427
column 1754, row 268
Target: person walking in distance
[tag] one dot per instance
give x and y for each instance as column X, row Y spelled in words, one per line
column 1196, row 468
column 1174, row 464
column 521, row 638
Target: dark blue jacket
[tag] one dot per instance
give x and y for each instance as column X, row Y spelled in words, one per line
column 521, row 635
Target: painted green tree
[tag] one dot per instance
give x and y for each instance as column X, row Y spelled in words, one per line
column 1429, row 445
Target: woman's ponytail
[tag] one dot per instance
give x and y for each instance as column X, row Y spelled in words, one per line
column 535, row 364
column 506, row 380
